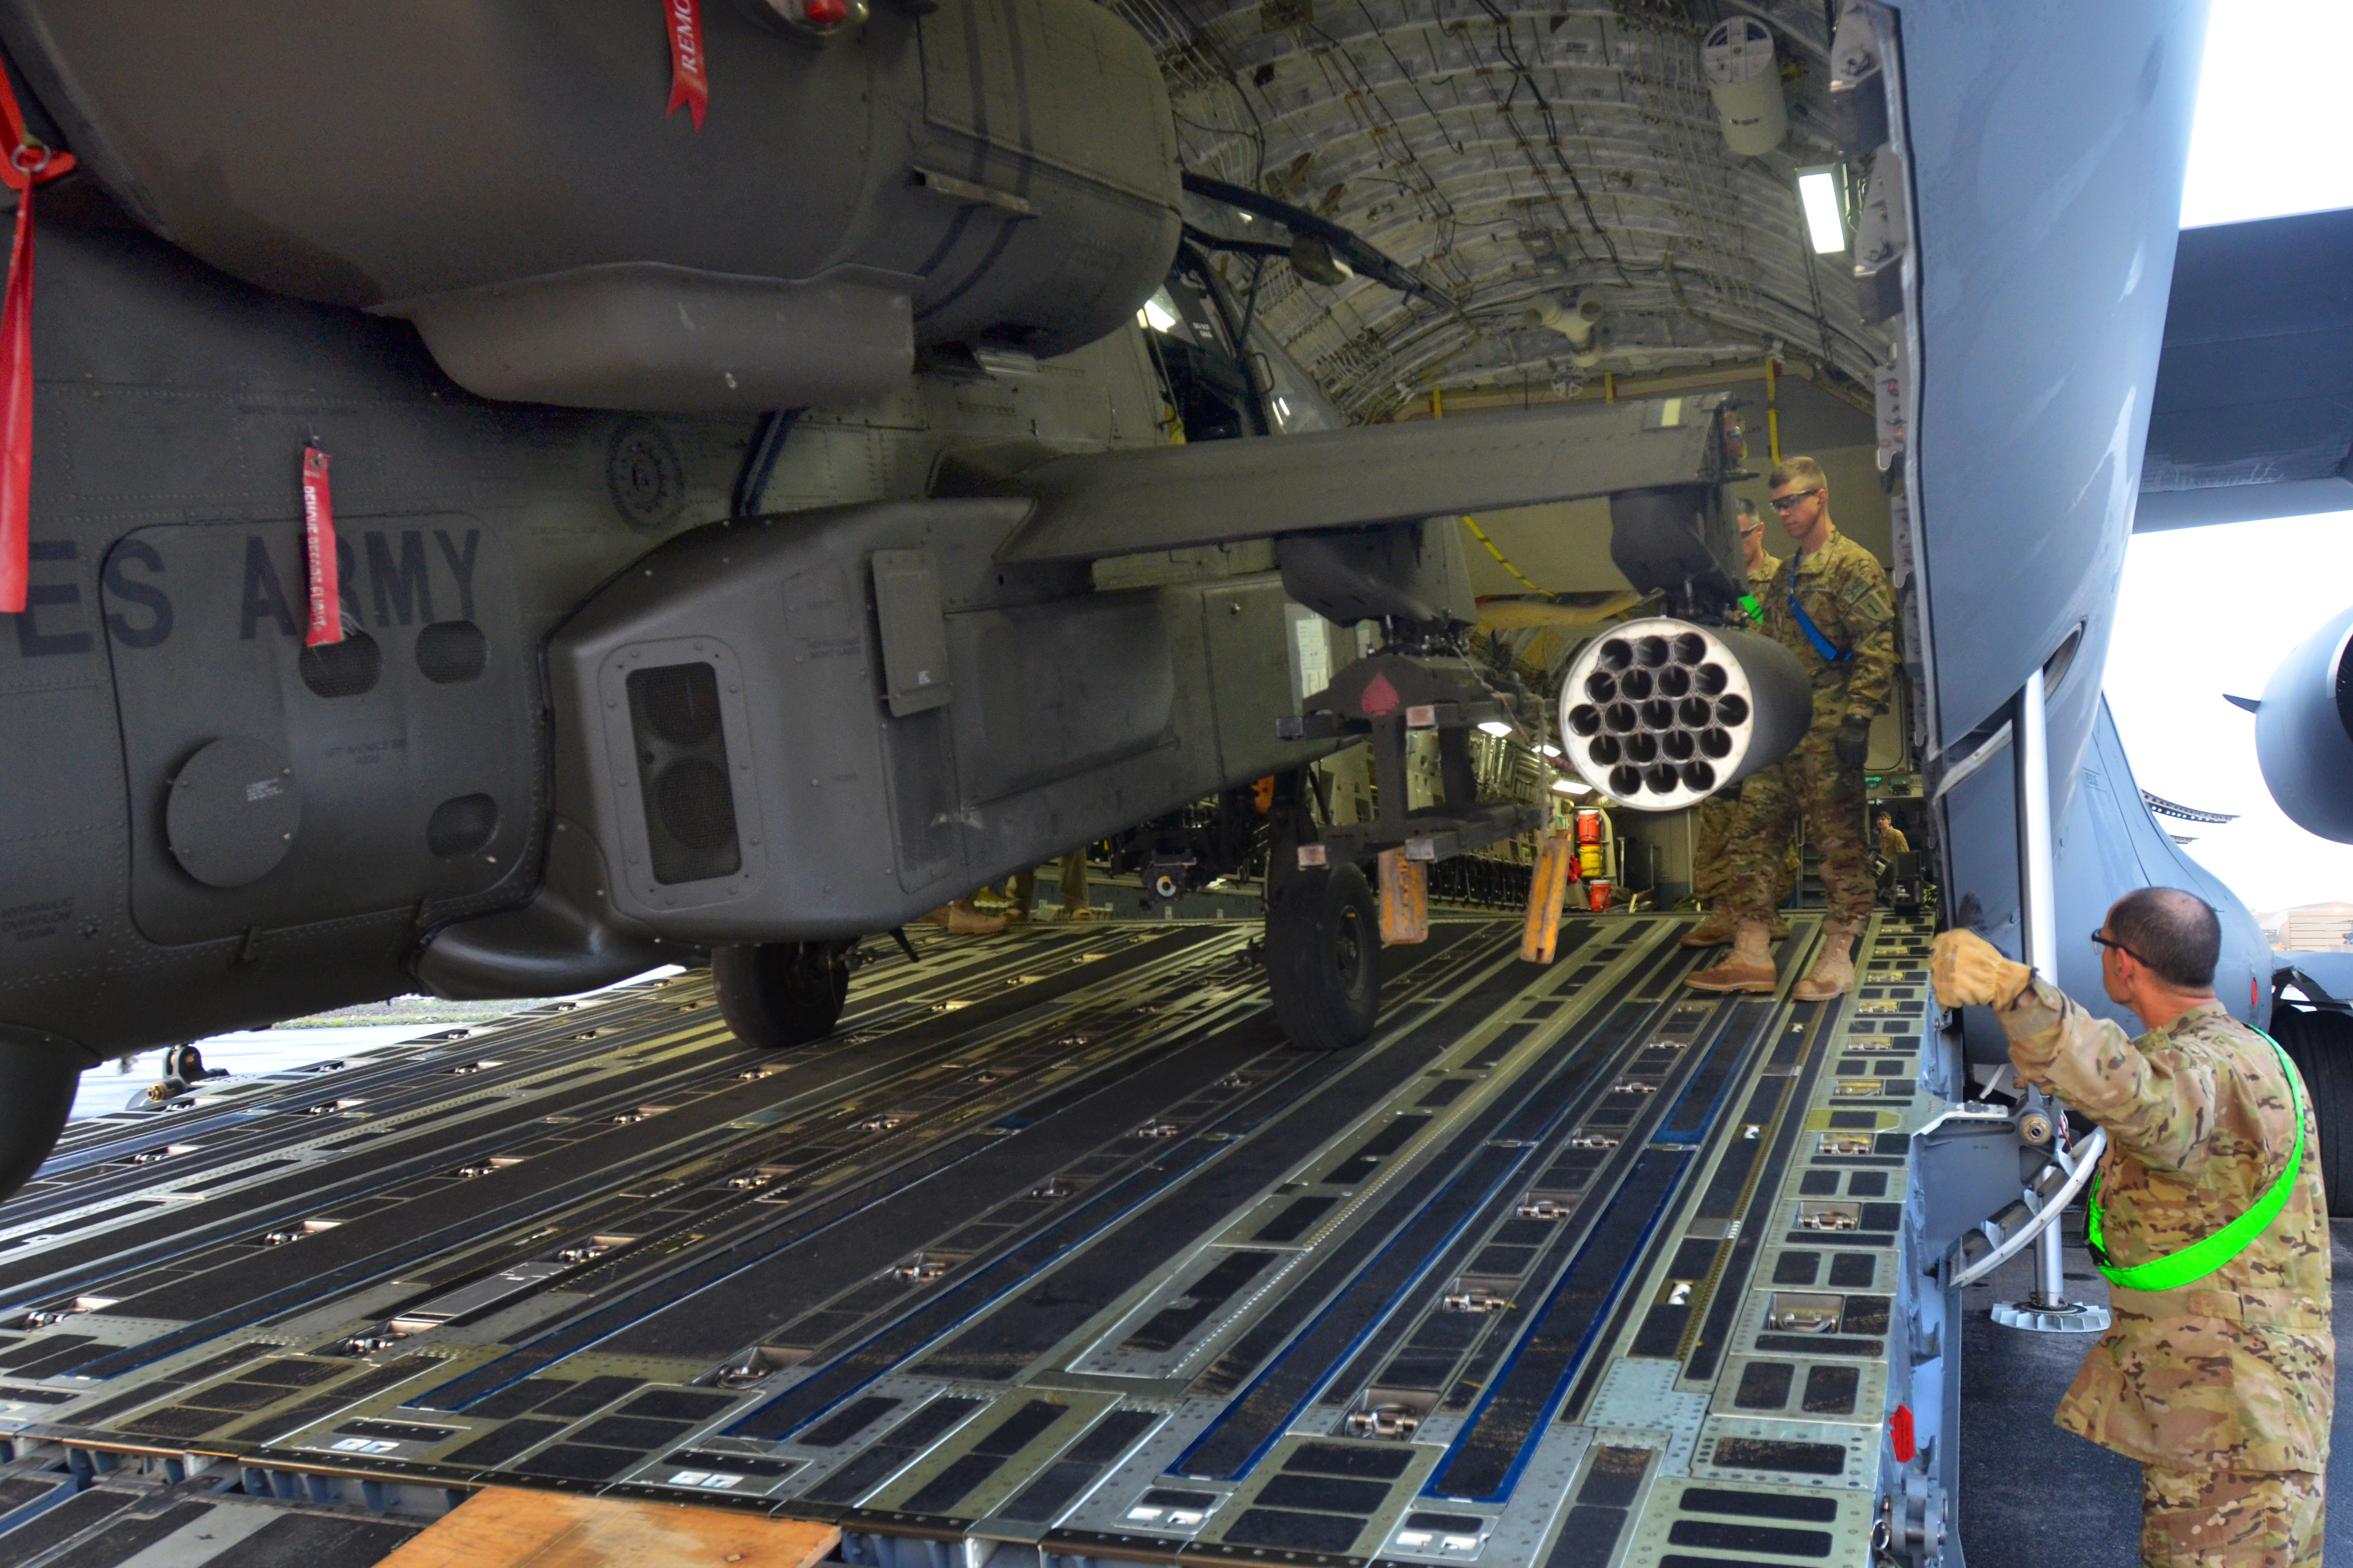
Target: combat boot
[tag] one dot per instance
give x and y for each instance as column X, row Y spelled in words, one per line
column 1750, row 967
column 964, row 918
column 1834, row 972
column 1717, row 929
column 1714, row 930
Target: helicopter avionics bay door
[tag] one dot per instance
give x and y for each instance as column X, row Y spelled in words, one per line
column 273, row 785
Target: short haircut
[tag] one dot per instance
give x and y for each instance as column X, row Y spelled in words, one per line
column 1747, row 507
column 1885, row 814
column 1803, row 472
column 2174, row 932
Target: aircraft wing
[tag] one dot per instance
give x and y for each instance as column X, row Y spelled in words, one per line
column 2253, row 416
column 1169, row 498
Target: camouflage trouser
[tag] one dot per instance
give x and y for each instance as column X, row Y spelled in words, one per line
column 1711, row 868
column 2231, row 1519
column 1712, row 858
column 1023, row 887
column 1806, row 783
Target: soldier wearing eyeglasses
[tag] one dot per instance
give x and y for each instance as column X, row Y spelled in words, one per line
column 1832, row 605
column 2209, row 1221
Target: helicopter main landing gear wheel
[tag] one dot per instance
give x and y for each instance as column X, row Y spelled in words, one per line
column 1324, row 957
column 778, row 995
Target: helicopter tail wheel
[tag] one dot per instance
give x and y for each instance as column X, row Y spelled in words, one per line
column 778, row 995
column 1324, row 957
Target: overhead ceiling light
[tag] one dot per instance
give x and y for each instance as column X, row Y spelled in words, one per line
column 1549, row 750
column 1571, row 786
column 1817, row 195
column 1493, row 727
column 1159, row 312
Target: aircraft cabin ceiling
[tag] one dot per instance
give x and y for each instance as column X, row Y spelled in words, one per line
column 1514, row 157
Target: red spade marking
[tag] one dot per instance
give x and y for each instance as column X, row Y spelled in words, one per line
column 1380, row 699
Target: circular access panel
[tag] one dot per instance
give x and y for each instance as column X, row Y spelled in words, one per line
column 231, row 812
column 464, row 825
column 643, row 473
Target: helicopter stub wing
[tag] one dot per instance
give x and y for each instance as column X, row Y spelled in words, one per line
column 1127, row 502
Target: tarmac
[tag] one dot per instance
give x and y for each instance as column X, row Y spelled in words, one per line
column 2035, row 1497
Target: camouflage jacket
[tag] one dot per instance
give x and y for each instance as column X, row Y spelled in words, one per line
column 1758, row 579
column 2236, row 1371
column 1846, row 594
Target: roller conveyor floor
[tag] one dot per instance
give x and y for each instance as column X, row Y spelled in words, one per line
column 1056, row 1249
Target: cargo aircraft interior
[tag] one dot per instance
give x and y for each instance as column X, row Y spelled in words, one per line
column 1041, row 680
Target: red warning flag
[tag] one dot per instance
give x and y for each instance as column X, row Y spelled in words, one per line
column 318, row 546
column 688, row 85
column 27, row 164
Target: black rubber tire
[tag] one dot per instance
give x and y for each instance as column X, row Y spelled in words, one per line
column 779, row 994
column 38, row 1076
column 1324, row 957
column 2321, row 1045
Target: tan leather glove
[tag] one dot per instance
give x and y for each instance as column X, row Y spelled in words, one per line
column 1968, row 971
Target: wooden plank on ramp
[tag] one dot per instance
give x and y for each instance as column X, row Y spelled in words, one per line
column 508, row 1527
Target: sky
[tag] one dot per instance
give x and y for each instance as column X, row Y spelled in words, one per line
column 2209, row 610
column 2205, row 611
column 2269, row 108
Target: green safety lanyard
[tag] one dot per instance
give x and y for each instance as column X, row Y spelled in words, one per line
column 2199, row 1259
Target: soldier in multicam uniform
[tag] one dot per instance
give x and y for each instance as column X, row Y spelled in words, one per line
column 1829, row 604
column 1711, row 857
column 2219, row 1374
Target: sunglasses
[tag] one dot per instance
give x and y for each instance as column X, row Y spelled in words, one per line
column 2102, row 940
column 1783, row 503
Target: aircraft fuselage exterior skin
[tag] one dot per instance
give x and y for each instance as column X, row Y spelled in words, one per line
column 2046, row 200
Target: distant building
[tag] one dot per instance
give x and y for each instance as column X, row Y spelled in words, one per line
column 2308, row 928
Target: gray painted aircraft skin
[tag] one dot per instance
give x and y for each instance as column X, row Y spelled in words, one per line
column 2037, row 347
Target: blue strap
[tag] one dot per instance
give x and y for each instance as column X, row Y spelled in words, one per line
column 1822, row 644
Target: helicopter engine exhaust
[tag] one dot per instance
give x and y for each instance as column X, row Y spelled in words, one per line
column 1659, row 714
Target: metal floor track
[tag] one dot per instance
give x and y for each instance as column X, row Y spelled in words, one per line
column 1057, row 1248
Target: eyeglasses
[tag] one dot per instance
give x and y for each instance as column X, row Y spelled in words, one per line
column 1783, row 503
column 2104, row 940
column 1754, row 525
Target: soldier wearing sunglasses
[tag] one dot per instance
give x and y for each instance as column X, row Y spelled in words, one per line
column 1831, row 606
column 2209, row 1220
